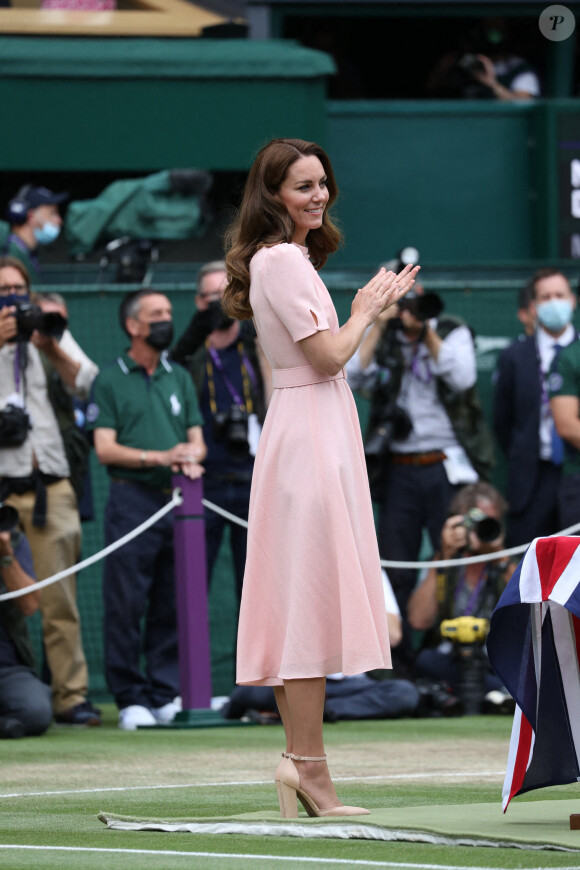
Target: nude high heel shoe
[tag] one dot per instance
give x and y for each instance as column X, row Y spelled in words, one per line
column 290, row 791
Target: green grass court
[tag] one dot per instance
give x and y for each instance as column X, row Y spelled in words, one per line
column 53, row 787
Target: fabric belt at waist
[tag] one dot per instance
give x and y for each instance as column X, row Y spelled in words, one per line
column 302, row 376
column 429, row 458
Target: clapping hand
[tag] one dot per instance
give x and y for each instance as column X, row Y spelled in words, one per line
column 383, row 292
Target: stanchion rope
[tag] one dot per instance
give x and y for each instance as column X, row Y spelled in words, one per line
column 177, row 499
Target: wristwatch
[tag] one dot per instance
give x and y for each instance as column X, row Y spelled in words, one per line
column 6, row 561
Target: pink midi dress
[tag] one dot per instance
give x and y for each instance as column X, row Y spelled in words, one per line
column 312, row 599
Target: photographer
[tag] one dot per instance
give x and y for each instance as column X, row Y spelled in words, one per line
column 486, row 65
column 147, row 424
column 35, row 474
column 474, row 527
column 426, row 433
column 25, row 708
column 232, row 379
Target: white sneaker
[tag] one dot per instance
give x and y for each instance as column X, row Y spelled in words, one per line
column 168, row 712
column 130, row 718
column 499, row 701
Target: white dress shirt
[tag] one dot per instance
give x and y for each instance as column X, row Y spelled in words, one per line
column 455, row 365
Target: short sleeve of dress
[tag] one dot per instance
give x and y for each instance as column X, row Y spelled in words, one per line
column 289, row 283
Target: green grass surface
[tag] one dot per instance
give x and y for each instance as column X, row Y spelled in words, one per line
column 52, row 788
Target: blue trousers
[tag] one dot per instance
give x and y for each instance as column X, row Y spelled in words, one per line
column 414, row 498
column 24, row 697
column 139, row 601
column 358, row 697
column 234, row 497
column 539, row 517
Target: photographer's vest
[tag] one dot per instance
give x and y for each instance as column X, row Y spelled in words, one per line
column 463, row 408
column 487, row 596
column 76, row 445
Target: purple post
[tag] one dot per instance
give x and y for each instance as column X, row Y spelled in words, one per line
column 191, row 596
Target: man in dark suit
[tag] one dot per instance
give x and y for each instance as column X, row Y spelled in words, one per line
column 522, row 418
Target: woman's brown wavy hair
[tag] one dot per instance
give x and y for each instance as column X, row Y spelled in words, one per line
column 263, row 219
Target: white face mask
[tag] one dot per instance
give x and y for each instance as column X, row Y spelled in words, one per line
column 555, row 314
column 47, row 233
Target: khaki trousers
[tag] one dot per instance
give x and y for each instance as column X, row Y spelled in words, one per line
column 55, row 548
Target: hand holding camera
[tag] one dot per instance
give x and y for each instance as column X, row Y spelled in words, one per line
column 18, row 322
column 8, row 327
column 474, row 532
column 453, row 537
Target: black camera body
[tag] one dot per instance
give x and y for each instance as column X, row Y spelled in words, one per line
column 486, row 528
column 471, row 64
column 14, row 425
column 394, row 425
column 231, row 428
column 388, row 421
column 423, row 307
column 30, row 317
column 9, row 517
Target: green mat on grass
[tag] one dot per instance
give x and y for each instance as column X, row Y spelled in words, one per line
column 526, row 825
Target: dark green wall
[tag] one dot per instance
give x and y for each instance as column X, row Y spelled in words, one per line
column 452, row 179
column 143, row 104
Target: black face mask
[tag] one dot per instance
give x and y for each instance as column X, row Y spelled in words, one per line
column 160, row 334
column 219, row 320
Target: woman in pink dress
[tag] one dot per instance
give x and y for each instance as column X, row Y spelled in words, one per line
column 312, row 601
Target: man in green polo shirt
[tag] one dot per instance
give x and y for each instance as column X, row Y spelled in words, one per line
column 147, row 425
column 564, row 386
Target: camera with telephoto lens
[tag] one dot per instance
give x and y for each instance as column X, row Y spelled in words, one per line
column 231, row 427
column 394, row 425
column 30, row 317
column 486, row 528
column 471, row 64
column 422, row 306
column 14, row 425
column 9, row 517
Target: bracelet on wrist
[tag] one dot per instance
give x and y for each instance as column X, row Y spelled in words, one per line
column 6, row 561
column 144, row 454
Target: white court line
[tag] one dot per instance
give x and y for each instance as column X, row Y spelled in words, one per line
column 463, row 775
column 301, row 860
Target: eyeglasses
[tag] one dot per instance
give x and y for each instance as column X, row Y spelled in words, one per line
column 16, row 288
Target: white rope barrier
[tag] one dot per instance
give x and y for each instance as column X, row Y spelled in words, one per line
column 439, row 563
column 470, row 560
column 225, row 514
column 177, row 499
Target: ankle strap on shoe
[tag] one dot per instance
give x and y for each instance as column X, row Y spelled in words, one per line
column 305, row 757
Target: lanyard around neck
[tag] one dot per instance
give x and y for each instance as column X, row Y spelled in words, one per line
column 213, row 359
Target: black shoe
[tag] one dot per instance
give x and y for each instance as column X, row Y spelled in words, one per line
column 10, row 727
column 436, row 698
column 81, row 714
